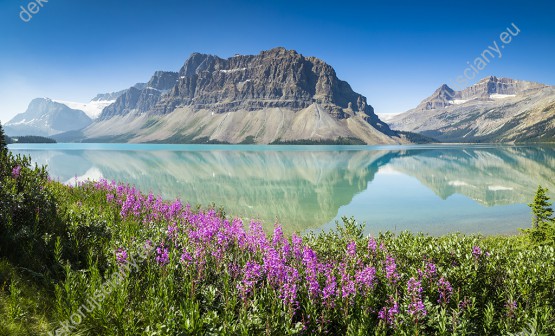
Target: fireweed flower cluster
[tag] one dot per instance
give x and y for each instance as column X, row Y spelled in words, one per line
column 389, row 313
column 255, row 264
column 445, row 291
column 391, row 269
column 416, row 306
column 162, row 256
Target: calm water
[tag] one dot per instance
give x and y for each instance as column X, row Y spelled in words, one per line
column 434, row 189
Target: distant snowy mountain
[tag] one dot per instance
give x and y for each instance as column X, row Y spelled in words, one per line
column 45, row 117
column 48, row 117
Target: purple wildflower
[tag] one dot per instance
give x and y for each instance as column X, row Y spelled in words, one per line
column 175, row 208
column 256, row 238
column 465, row 303
column 330, row 288
column 476, row 252
column 511, row 307
column 277, row 239
column 352, row 249
column 162, row 255
column 172, row 231
column 16, row 171
column 310, row 262
column 391, row 269
column 288, row 292
column 348, row 287
column 121, row 256
column 372, row 245
column 297, row 243
column 388, row 313
column 186, row 257
column 445, row 290
column 252, row 273
column 416, row 306
column 274, row 267
column 365, row 277
column 431, row 270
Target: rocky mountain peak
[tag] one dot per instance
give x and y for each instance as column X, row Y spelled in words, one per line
column 487, row 88
column 162, row 80
column 442, row 97
column 274, row 78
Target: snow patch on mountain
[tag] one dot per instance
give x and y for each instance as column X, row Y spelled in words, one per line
column 93, row 109
column 501, row 96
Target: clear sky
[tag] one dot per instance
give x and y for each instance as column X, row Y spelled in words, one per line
column 394, row 52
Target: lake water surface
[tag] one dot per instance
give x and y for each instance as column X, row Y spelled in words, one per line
column 434, row 189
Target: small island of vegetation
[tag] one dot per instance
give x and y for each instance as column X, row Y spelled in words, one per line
column 26, row 139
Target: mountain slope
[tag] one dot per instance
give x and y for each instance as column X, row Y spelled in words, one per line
column 45, row 117
column 277, row 95
column 493, row 110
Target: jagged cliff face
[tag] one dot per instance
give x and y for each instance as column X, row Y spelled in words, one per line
column 141, row 98
column 277, row 95
column 493, row 110
column 274, row 78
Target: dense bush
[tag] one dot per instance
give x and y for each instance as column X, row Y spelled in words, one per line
column 27, row 213
column 114, row 261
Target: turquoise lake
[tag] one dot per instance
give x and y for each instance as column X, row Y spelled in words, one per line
column 434, row 189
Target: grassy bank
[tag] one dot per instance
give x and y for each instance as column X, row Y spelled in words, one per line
column 102, row 258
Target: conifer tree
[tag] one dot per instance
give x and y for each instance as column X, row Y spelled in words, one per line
column 541, row 208
column 3, row 144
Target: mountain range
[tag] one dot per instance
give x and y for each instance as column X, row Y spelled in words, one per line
column 493, row 110
column 281, row 96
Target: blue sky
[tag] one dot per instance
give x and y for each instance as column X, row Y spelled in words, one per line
column 394, row 52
